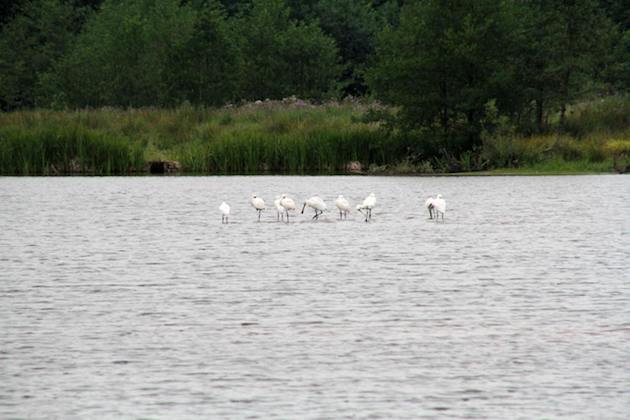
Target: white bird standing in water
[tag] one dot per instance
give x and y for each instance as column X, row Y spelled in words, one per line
column 287, row 204
column 429, row 205
column 439, row 205
column 279, row 208
column 259, row 204
column 344, row 207
column 316, row 204
column 225, row 211
column 367, row 205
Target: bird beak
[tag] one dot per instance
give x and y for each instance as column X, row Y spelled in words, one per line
column 303, row 207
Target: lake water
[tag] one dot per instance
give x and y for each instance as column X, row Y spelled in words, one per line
column 127, row 298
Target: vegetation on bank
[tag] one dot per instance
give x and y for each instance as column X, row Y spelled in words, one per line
column 296, row 137
column 462, row 85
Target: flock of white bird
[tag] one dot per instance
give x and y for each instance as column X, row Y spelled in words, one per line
column 284, row 204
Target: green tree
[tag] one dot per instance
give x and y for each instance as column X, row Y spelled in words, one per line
column 29, row 46
column 282, row 57
column 354, row 25
column 122, row 57
column 617, row 73
column 566, row 41
column 444, row 63
column 618, row 11
column 206, row 69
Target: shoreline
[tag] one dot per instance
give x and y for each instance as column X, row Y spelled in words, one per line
column 490, row 173
column 281, row 138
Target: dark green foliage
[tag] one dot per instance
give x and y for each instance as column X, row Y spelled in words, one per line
column 30, row 44
column 282, row 57
column 8, row 10
column 122, row 58
column 617, row 70
column 442, row 65
column 564, row 43
column 354, row 25
column 618, row 11
column 205, row 69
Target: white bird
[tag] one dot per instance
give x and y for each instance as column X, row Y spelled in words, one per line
column 439, row 204
column 259, row 204
column 279, row 208
column 367, row 205
column 316, row 204
column 225, row 211
column 429, row 205
column 287, row 204
column 344, row 207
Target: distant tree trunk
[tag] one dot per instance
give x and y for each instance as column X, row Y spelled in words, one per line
column 472, row 135
column 565, row 95
column 444, row 111
column 540, row 103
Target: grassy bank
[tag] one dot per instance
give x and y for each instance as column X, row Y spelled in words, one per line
column 292, row 137
column 256, row 138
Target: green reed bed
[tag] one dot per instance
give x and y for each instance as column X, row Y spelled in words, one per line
column 62, row 149
column 254, row 138
column 256, row 150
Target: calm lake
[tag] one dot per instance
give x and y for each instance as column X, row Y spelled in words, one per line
column 125, row 297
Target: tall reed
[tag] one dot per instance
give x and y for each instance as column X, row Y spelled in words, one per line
column 278, row 137
column 58, row 149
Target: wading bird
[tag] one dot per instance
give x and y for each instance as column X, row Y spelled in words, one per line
column 287, row 204
column 367, row 205
column 429, row 205
column 259, row 204
column 225, row 211
column 344, row 207
column 439, row 205
column 279, row 208
column 316, row 204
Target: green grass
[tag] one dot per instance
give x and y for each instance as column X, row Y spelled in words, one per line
column 269, row 137
column 558, row 167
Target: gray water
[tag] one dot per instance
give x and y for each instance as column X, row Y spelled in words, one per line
column 127, row 298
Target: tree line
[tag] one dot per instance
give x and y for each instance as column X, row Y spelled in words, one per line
column 451, row 69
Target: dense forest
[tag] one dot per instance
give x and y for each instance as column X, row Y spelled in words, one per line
column 448, row 76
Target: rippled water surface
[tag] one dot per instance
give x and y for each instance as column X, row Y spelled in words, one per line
column 127, row 298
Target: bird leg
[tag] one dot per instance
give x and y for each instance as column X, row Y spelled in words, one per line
column 259, row 211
